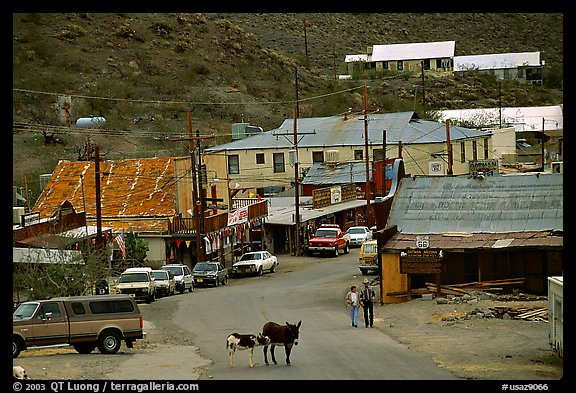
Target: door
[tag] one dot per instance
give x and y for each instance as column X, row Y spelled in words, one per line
column 49, row 325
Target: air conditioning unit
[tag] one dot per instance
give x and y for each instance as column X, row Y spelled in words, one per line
column 558, row 167
column 332, row 156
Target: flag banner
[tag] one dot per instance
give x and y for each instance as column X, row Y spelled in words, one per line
column 120, row 240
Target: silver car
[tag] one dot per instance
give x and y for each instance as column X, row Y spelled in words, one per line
column 182, row 275
column 358, row 235
column 165, row 282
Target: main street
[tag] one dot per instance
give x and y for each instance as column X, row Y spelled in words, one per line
column 307, row 289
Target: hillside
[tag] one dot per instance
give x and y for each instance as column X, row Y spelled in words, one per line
column 142, row 72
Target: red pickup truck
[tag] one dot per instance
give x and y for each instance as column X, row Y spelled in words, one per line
column 329, row 239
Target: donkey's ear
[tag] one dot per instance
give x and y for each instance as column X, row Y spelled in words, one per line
column 299, row 323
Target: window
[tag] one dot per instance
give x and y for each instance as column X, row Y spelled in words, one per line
column 317, row 156
column 377, row 154
column 107, row 307
column 443, row 63
column 278, row 162
column 385, row 65
column 51, row 308
column 78, row 308
column 426, row 64
column 474, row 151
column 358, row 154
column 259, row 158
column 462, row 152
column 485, row 148
column 233, row 164
column 400, row 65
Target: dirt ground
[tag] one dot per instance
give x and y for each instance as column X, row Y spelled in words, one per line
column 465, row 338
column 459, row 336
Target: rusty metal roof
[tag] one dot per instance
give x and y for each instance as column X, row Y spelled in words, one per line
column 136, row 194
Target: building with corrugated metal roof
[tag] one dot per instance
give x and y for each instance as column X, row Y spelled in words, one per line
column 522, row 67
column 484, row 228
column 436, row 57
column 263, row 160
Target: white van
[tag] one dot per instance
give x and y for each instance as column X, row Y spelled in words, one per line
column 138, row 282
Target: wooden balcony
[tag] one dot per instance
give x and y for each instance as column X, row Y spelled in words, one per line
column 215, row 222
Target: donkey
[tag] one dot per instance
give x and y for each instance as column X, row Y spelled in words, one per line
column 281, row 335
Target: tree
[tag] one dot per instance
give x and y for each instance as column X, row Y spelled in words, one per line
column 136, row 248
column 62, row 274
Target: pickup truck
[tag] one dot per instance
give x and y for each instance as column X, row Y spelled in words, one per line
column 329, row 239
column 85, row 322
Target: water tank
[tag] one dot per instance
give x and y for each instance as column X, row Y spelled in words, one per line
column 239, row 131
column 90, row 122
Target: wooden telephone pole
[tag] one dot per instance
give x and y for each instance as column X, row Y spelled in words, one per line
column 198, row 212
column 367, row 159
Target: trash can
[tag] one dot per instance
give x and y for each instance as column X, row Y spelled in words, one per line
column 102, row 287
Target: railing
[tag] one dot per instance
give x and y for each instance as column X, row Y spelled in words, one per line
column 215, row 222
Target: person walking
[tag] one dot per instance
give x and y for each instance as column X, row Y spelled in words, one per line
column 352, row 301
column 367, row 296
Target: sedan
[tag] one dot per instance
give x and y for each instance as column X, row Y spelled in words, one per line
column 358, row 235
column 255, row 263
column 209, row 273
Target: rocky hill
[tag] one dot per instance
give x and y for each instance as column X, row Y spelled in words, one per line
column 143, row 72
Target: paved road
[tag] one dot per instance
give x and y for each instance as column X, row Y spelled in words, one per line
column 306, row 289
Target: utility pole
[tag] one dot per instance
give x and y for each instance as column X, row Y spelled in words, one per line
column 449, row 147
column 305, row 41
column 383, row 162
column 423, row 90
column 192, row 147
column 201, row 196
column 296, row 174
column 97, row 188
column 543, row 139
column 197, row 208
column 367, row 159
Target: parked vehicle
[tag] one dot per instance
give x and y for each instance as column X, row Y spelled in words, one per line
column 209, row 273
column 329, row 239
column 182, row 275
column 165, row 282
column 358, row 235
column 138, row 282
column 368, row 257
column 85, row 322
column 255, row 263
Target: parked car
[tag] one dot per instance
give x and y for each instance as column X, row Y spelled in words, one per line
column 165, row 282
column 255, row 263
column 182, row 275
column 329, row 239
column 368, row 257
column 138, row 282
column 85, row 322
column 209, row 273
column 358, row 235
